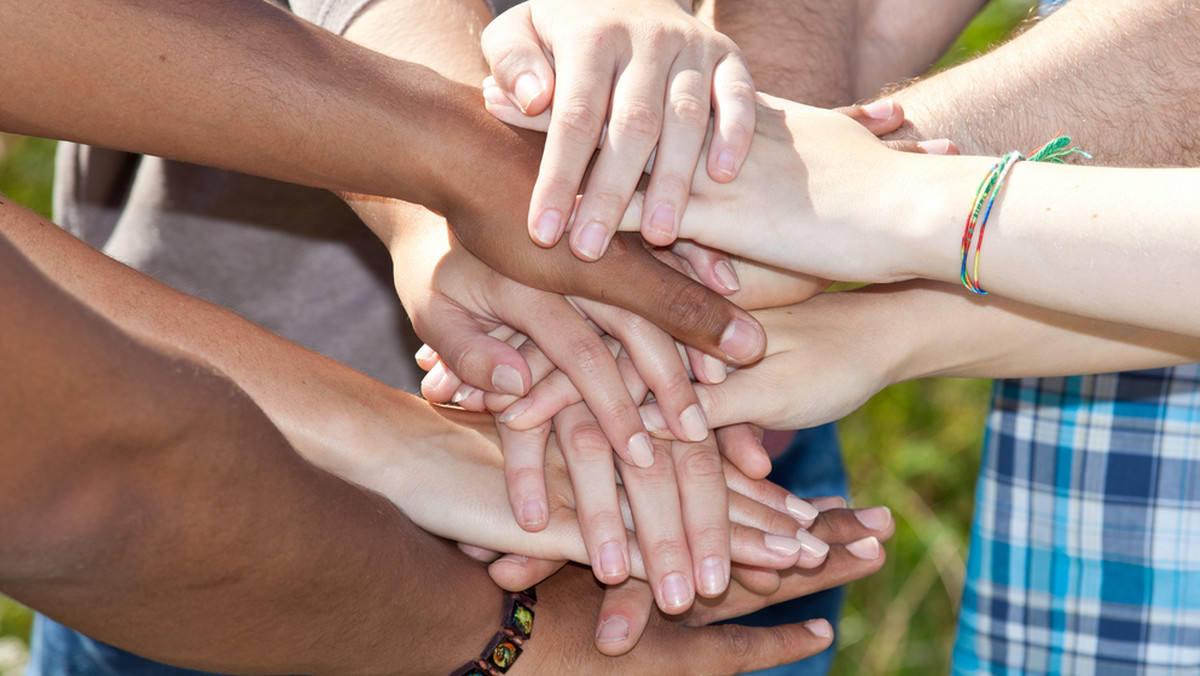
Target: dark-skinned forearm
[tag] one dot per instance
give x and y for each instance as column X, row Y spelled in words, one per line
column 149, row 503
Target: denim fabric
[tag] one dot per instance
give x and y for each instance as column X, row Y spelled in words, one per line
column 56, row 650
column 811, row 467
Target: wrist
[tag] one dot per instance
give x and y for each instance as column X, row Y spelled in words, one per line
column 506, row 645
column 933, row 198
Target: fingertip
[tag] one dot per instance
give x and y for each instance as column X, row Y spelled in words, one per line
column 661, row 226
column 653, row 419
column 640, row 450
column 508, row 380
column 590, row 241
column 713, row 576
column 743, row 341
column 724, row 168
column 820, row 628
column 528, row 90
column 547, row 228
column 675, row 594
column 612, row 636
column 941, row 146
column 612, row 566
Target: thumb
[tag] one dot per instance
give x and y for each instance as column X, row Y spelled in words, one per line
column 514, row 53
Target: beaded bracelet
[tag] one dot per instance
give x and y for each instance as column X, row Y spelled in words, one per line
column 1054, row 151
column 516, row 626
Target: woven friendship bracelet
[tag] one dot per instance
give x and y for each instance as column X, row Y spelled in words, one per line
column 985, row 199
column 516, row 626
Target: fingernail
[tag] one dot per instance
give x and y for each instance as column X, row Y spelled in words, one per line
column 516, row 559
column 532, row 513
column 526, row 88
column 424, row 353
column 827, row 503
column 653, row 419
column 548, row 227
column 640, row 450
column 879, row 110
column 812, row 547
column 727, row 164
column 727, row 275
column 507, row 379
column 495, row 97
column 804, row 512
column 715, row 369
column 713, row 577
column 663, row 220
column 515, row 410
column 940, row 146
column 433, row 380
column 591, row 240
column 875, row 518
column 866, row 548
column 461, row 393
column 782, row 545
column 612, row 560
column 819, row 628
column 612, row 630
column 695, row 425
column 676, row 593
column 741, row 340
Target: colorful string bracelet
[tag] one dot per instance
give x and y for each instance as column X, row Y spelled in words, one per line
column 516, row 626
column 985, row 199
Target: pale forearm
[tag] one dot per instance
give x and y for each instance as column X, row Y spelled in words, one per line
column 1107, row 243
column 1108, row 73
column 945, row 331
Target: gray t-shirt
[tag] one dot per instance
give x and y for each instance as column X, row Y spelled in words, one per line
column 295, row 260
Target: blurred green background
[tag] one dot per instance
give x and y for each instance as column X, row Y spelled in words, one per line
column 914, row 447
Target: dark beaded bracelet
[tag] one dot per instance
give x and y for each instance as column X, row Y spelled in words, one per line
column 516, row 626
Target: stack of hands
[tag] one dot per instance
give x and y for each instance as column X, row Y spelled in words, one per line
column 624, row 400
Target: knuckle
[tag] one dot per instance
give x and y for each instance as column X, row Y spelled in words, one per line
column 578, row 118
column 637, row 120
column 608, row 200
column 467, row 360
column 671, row 183
column 689, row 109
column 676, row 386
column 592, row 357
column 604, row 520
column 738, row 91
column 505, row 58
column 691, row 305
column 738, row 643
column 699, row 464
column 586, row 443
column 668, row 549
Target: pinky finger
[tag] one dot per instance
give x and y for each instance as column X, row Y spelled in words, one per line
column 733, row 124
column 525, row 474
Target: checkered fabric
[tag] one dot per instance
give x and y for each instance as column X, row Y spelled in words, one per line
column 1085, row 555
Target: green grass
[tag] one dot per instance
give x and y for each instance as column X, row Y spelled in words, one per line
column 914, row 447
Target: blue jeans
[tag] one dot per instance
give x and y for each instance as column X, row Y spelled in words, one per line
column 56, row 650
column 811, row 467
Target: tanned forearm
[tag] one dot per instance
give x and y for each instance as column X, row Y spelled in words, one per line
column 834, row 53
column 1115, row 75
column 149, row 503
